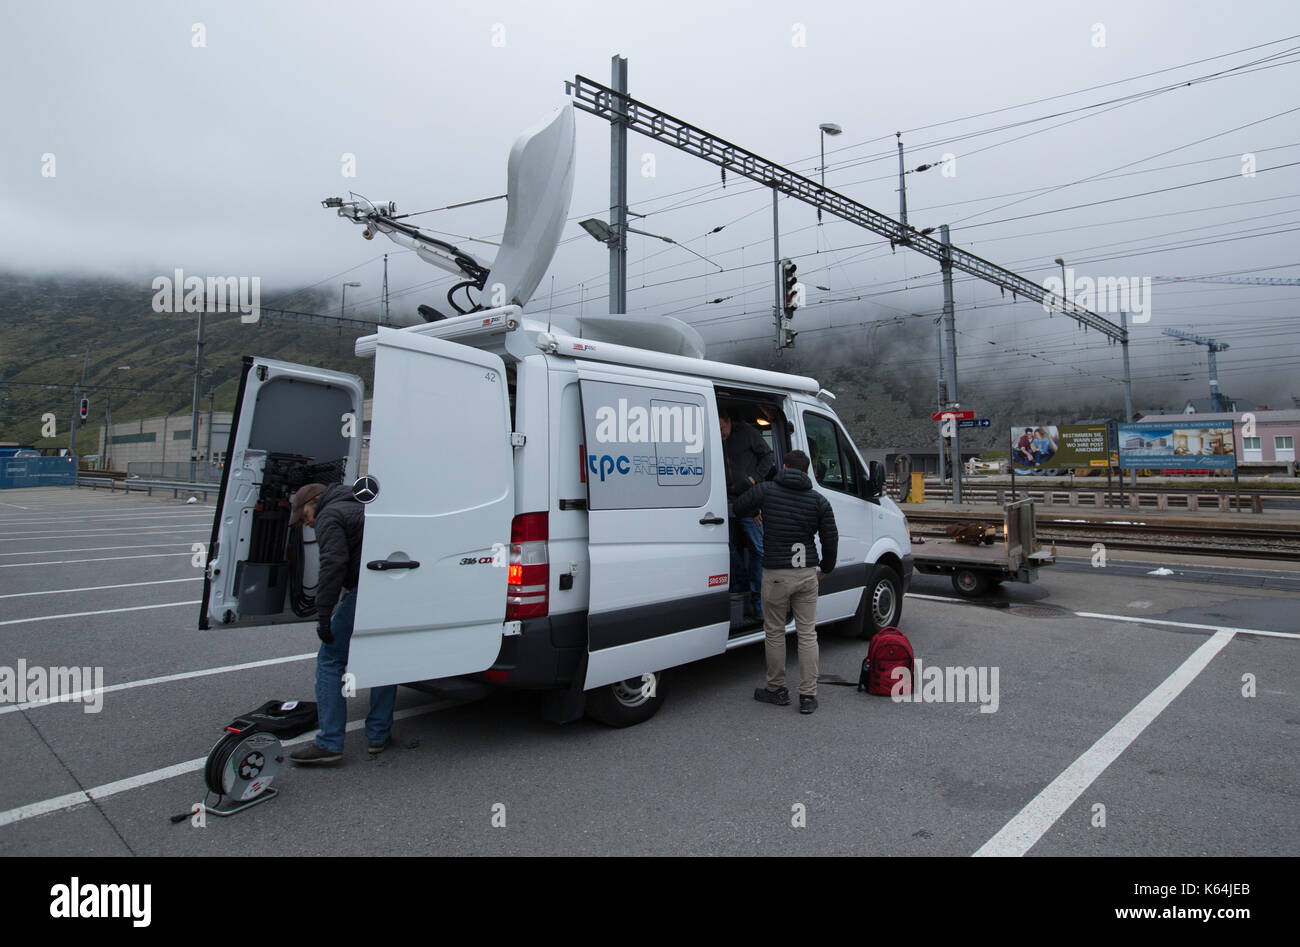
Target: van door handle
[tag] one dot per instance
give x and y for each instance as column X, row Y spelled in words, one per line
column 712, row 520
column 380, row 565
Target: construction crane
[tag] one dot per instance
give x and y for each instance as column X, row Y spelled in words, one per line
column 1214, row 347
column 1243, row 280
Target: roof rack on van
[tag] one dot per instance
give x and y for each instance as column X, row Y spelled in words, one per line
column 659, row 342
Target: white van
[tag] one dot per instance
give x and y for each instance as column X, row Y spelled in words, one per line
column 546, row 505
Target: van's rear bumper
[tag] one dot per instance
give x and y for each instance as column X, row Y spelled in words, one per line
column 546, row 653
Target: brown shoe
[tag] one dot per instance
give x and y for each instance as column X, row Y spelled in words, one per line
column 314, row 755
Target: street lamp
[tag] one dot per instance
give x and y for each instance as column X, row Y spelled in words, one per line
column 605, row 234
column 344, row 300
column 1061, row 263
column 827, row 128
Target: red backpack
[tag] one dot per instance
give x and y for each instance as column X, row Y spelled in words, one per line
column 889, row 649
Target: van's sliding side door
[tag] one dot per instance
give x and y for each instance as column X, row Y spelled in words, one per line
column 657, row 502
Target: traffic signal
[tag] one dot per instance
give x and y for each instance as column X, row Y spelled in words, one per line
column 791, row 291
column 85, row 408
column 787, row 334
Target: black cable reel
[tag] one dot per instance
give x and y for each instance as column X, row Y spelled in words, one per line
column 244, row 762
column 242, row 765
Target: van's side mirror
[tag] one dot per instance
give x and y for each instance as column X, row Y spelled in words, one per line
column 875, row 479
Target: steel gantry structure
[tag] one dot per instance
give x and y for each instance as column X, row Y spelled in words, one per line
column 602, row 101
column 1242, row 280
column 624, row 112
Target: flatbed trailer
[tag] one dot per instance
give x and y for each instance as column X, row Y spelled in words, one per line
column 1013, row 556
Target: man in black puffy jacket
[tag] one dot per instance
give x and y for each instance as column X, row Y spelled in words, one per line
column 792, row 513
column 339, row 521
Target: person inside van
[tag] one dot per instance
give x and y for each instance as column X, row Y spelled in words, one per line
column 749, row 461
column 793, row 515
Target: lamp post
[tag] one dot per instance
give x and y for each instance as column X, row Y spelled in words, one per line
column 76, row 404
column 607, row 235
column 827, row 128
column 108, row 422
column 344, row 301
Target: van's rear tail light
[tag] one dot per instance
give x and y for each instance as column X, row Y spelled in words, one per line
column 528, row 583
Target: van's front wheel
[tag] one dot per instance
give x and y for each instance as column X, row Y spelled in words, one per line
column 629, row 702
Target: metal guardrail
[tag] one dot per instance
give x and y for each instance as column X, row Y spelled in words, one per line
column 1098, row 497
column 148, row 486
column 175, row 471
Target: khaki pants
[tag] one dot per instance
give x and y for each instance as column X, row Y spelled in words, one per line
column 783, row 590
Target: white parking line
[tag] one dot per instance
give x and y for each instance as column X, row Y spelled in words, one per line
column 100, row 588
column 1185, row 624
column 63, row 562
column 102, row 611
column 135, row 517
column 3, row 503
column 47, row 552
column 1028, row 826
column 69, row 800
column 1135, row 619
column 204, row 525
column 150, row 681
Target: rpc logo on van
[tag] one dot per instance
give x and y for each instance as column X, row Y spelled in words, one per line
column 602, row 464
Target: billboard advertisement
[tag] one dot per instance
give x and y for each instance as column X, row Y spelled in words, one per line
column 1194, row 444
column 1051, row 446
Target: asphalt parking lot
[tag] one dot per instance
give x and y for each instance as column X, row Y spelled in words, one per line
column 1116, row 689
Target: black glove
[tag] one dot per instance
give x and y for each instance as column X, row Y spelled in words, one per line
column 323, row 631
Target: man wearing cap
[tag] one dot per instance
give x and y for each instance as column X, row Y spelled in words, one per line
column 338, row 520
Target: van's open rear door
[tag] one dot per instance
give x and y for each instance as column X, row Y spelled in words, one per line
column 657, row 502
column 292, row 424
column 432, row 594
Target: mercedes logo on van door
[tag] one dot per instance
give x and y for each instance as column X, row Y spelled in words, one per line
column 365, row 489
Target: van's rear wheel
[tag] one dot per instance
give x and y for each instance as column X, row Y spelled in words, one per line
column 629, row 702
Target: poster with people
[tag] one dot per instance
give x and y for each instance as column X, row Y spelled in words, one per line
column 1034, row 445
column 1055, row 447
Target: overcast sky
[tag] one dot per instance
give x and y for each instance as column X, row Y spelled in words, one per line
column 213, row 156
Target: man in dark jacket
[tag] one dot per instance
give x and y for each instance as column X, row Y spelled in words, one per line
column 792, row 513
column 749, row 461
column 339, row 521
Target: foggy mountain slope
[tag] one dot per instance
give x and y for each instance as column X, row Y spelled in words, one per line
column 48, row 324
column 883, row 375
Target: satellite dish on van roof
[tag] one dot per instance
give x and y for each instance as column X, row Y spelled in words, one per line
column 539, row 186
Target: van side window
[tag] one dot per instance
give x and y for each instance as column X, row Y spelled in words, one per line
column 854, row 481
column 834, row 465
column 823, row 451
